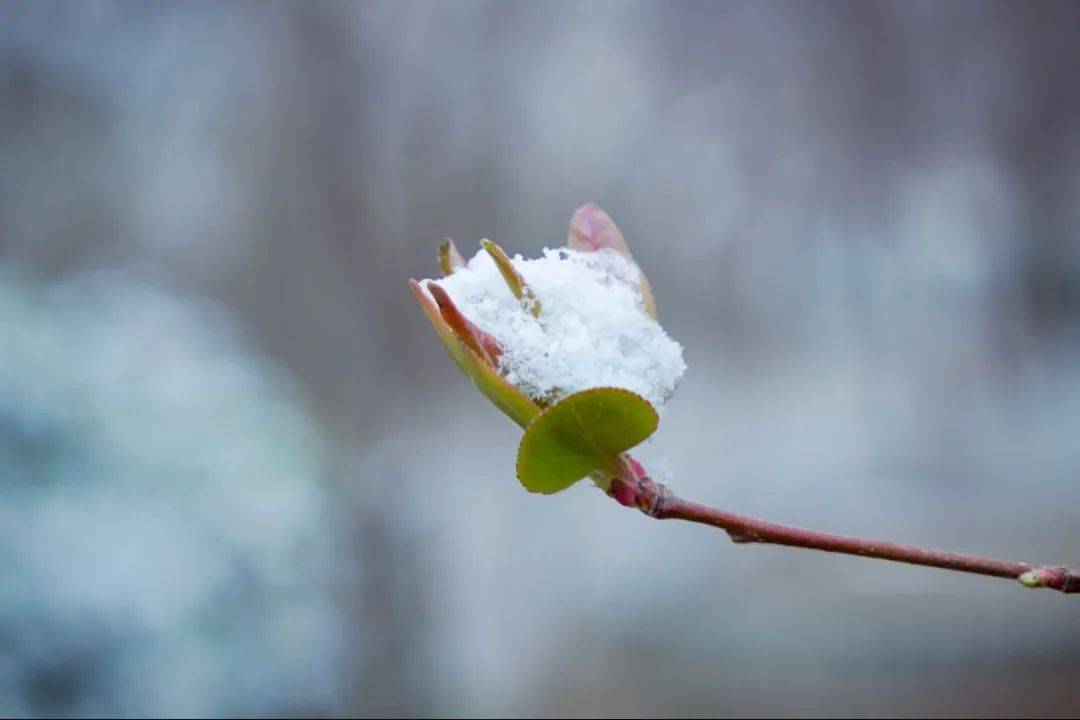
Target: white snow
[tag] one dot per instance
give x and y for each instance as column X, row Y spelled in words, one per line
column 593, row 330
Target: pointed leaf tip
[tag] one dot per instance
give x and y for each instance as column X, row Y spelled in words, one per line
column 480, row 342
column 449, row 257
column 514, row 279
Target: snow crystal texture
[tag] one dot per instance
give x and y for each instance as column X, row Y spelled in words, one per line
column 593, row 330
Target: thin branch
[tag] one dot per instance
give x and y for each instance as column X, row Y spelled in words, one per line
column 657, row 501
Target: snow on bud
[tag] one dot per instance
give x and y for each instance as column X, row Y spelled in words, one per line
column 597, row 327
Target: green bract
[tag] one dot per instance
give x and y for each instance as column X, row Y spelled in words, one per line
column 582, row 433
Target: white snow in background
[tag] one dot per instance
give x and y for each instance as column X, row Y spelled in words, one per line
column 593, row 330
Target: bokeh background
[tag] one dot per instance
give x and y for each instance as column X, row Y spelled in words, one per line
column 241, row 476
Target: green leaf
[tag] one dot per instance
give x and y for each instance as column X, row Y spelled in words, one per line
column 505, row 396
column 581, row 433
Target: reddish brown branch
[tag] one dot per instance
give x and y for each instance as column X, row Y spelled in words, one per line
column 658, row 502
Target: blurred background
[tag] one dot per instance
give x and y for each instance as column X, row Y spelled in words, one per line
column 240, row 475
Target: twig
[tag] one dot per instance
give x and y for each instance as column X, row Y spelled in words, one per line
column 655, row 500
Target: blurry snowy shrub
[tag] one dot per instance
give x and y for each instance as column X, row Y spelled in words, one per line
column 163, row 533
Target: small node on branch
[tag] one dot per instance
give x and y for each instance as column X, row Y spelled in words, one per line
column 741, row 536
column 1064, row 579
